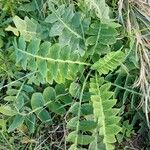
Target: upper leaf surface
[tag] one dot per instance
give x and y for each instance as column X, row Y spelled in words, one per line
column 109, row 62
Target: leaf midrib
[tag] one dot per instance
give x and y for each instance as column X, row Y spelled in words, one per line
column 54, row 60
column 66, row 26
column 101, row 104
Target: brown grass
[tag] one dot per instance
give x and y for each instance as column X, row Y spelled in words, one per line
column 137, row 20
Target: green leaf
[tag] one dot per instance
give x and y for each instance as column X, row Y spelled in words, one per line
column 65, row 99
column 52, row 17
column 56, row 29
column 1, row 43
column 44, row 116
column 66, row 24
column 81, row 139
column 7, row 110
column 54, row 64
column 103, row 111
column 12, row 92
column 28, row 28
column 49, row 94
column 75, row 89
column 21, row 58
column 57, row 108
column 2, row 125
column 37, row 103
column 30, row 122
column 42, row 67
column 109, row 62
column 19, row 102
column 100, row 7
column 28, row 88
column 33, row 46
column 84, row 125
column 60, row 89
column 14, row 30
column 17, row 121
column 19, row 23
column 54, row 106
column 86, row 109
column 28, row 7
column 64, row 19
column 10, row 98
column 97, row 144
column 44, row 48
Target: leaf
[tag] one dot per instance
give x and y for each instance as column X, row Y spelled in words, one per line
column 75, row 89
column 28, row 88
column 49, row 94
column 102, row 33
column 14, row 30
column 37, row 103
column 10, row 98
column 28, row 7
column 56, row 29
column 33, row 46
column 52, row 17
column 97, row 144
column 19, row 102
column 12, row 92
column 2, row 125
column 7, row 110
column 86, row 109
column 17, row 121
column 19, row 23
column 84, row 125
column 60, row 89
column 1, row 43
column 57, row 108
column 68, row 14
column 44, row 116
column 100, row 7
column 103, row 107
column 55, row 64
column 81, row 139
column 30, row 122
column 109, row 62
column 66, row 24
column 54, row 106
column 42, row 67
column 27, row 28
column 66, row 99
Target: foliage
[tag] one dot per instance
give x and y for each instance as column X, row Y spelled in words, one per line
column 67, row 75
column 104, row 114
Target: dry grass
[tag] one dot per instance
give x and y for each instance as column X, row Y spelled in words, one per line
column 135, row 15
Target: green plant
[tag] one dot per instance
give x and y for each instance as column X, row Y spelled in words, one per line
column 74, row 73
